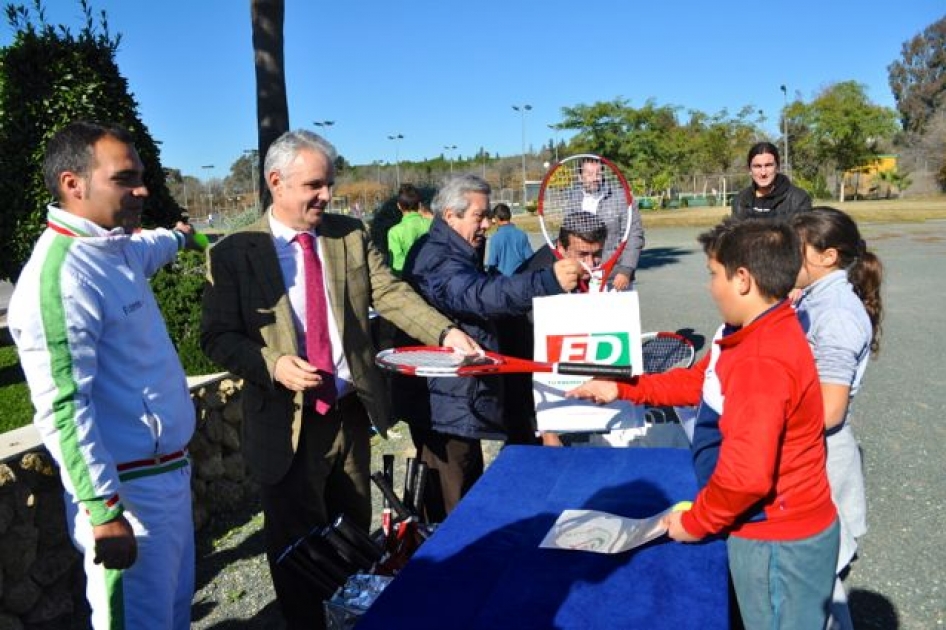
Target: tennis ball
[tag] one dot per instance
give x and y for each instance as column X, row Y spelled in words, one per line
column 682, row 506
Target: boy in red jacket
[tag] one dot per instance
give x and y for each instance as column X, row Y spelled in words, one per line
column 760, row 457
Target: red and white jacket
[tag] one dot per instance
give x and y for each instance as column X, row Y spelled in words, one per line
column 760, row 431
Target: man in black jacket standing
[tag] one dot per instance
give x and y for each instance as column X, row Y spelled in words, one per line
column 771, row 194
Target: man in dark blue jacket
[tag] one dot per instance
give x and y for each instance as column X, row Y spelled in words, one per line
column 451, row 415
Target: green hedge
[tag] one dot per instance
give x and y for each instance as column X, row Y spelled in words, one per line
column 17, row 410
column 178, row 289
column 50, row 77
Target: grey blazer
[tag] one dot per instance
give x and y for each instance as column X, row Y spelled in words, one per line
column 247, row 325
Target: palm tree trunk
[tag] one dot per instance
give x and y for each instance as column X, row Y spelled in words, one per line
column 272, row 110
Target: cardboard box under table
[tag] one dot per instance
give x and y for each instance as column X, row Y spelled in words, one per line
column 483, row 568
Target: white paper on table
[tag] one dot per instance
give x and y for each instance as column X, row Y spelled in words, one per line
column 601, row 532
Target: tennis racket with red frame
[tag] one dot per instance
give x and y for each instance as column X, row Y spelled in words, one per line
column 434, row 361
column 581, row 193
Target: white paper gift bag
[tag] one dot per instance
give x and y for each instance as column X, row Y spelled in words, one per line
column 585, row 328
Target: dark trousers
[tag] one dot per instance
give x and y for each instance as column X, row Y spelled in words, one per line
column 330, row 475
column 455, row 463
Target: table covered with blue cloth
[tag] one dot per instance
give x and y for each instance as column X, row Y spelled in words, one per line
column 483, row 567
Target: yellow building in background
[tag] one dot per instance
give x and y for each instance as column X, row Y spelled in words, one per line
column 864, row 183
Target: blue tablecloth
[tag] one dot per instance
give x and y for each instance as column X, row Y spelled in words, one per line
column 483, row 567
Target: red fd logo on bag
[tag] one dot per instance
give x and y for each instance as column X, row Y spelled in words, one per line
column 612, row 348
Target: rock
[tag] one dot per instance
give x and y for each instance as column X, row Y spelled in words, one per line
column 9, row 622
column 50, row 518
column 211, row 467
column 39, row 462
column 198, row 487
column 199, row 446
column 224, row 496
column 54, row 564
column 228, row 387
column 22, row 502
column 53, row 604
column 213, row 427
column 20, row 597
column 18, row 550
column 7, row 476
column 7, row 513
column 213, row 401
column 201, row 516
column 231, row 437
column 234, row 468
column 39, row 471
column 233, row 412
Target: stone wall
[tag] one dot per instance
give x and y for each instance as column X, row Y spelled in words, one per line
column 41, row 576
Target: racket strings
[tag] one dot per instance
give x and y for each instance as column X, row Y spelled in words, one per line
column 429, row 361
column 425, row 358
column 665, row 353
column 567, row 191
column 580, row 194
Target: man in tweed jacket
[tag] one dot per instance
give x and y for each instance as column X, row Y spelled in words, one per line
column 311, row 466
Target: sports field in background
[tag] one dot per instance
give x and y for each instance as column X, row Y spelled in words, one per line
column 909, row 210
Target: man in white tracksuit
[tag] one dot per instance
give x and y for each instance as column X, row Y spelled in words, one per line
column 111, row 398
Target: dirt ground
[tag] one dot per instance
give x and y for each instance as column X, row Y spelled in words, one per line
column 907, row 210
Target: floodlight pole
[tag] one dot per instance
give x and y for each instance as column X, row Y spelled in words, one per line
column 522, row 109
column 786, row 161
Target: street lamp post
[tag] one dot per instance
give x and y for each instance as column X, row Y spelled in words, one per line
column 555, row 131
column 209, row 167
column 522, row 109
column 788, row 167
column 449, row 148
column 379, row 164
column 397, row 156
column 323, row 123
column 254, row 165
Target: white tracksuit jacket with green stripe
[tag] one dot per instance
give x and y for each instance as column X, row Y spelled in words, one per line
column 104, row 377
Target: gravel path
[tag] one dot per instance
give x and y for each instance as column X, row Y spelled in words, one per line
column 233, row 586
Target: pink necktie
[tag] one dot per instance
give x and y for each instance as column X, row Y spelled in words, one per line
column 318, row 344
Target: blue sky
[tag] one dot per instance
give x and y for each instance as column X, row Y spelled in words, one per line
column 446, row 73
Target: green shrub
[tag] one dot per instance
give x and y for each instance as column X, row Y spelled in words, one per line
column 49, row 78
column 178, row 289
column 17, row 410
column 243, row 219
column 816, row 187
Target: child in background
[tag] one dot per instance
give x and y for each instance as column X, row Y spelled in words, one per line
column 840, row 310
column 760, row 457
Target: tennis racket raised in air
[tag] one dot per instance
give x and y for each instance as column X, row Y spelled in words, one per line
column 664, row 351
column 445, row 362
column 582, row 193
